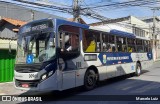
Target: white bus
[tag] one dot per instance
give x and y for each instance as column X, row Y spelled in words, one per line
column 55, row 54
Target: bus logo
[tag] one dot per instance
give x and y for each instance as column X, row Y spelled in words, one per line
column 29, row 59
column 104, row 59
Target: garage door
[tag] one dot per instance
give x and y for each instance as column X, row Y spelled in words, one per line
column 7, row 61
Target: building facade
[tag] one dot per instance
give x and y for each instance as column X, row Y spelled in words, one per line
column 154, row 24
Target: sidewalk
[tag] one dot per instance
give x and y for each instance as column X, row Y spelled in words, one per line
column 8, row 88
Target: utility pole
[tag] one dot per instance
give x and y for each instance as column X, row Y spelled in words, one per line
column 32, row 15
column 76, row 11
column 154, row 46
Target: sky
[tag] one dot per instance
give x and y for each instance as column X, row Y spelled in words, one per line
column 139, row 11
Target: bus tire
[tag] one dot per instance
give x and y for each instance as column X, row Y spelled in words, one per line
column 90, row 79
column 138, row 70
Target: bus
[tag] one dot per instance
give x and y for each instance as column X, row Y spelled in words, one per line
column 55, row 54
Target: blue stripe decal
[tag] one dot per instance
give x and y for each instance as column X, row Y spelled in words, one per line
column 115, row 58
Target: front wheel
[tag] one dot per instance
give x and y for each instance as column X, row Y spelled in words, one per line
column 90, row 80
column 138, row 70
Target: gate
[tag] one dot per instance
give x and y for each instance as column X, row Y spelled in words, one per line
column 7, row 61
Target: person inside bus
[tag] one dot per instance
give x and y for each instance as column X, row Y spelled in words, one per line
column 109, row 48
column 68, row 46
column 91, row 45
column 130, row 49
column 48, row 53
column 104, row 47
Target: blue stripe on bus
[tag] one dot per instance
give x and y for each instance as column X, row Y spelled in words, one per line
column 149, row 55
column 118, row 58
column 115, row 58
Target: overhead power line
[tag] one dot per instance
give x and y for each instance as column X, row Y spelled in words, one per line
column 90, row 10
column 123, row 4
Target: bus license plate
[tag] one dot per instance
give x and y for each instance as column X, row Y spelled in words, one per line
column 25, row 85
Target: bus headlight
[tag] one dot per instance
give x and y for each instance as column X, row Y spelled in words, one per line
column 50, row 73
column 44, row 76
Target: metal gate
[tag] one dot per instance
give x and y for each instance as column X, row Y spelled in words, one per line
column 7, row 61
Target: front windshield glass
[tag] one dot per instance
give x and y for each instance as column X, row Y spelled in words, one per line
column 35, row 48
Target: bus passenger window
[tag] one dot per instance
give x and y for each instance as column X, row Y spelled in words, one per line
column 69, row 42
column 91, row 41
column 131, row 45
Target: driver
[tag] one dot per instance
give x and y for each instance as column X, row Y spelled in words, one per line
column 47, row 54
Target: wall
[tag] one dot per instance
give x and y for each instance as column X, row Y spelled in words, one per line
column 4, row 44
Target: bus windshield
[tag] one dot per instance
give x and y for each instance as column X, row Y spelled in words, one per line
column 35, row 48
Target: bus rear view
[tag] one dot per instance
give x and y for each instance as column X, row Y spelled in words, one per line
column 36, row 56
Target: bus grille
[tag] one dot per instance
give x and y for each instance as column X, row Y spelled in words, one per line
column 32, row 83
column 27, row 68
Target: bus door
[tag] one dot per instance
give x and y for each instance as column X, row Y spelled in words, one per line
column 69, row 51
column 69, row 75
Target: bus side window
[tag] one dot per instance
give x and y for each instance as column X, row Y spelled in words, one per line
column 91, row 41
column 69, row 42
column 131, row 45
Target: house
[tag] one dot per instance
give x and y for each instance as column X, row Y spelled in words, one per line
column 8, row 35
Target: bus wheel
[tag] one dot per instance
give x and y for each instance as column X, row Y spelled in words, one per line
column 138, row 70
column 90, row 79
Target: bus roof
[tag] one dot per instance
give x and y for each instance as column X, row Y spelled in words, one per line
column 100, row 28
column 66, row 22
column 144, row 38
column 122, row 33
column 85, row 26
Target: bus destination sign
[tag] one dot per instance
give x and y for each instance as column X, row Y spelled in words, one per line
column 36, row 26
